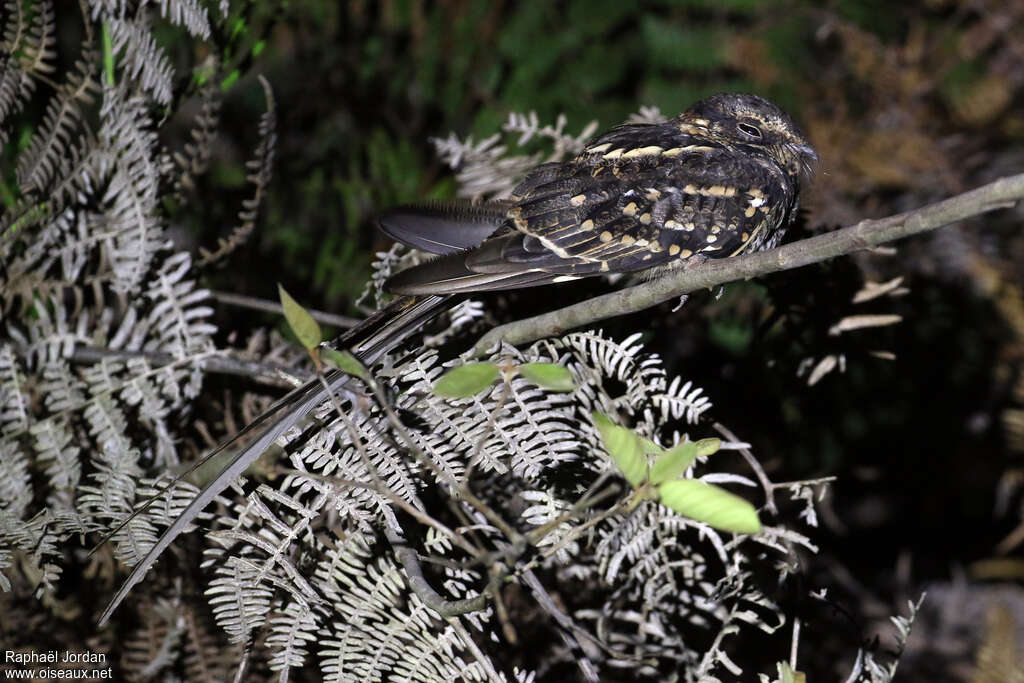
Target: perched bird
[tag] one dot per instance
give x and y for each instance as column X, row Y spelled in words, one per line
column 722, row 177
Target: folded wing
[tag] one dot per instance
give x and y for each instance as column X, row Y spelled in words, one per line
column 623, row 205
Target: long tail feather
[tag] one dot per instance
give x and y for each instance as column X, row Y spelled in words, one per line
column 449, row 274
column 368, row 341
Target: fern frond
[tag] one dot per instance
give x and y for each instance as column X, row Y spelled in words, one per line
column 53, row 441
column 565, row 145
column 487, row 170
column 188, row 13
column 171, row 502
column 178, row 319
column 260, row 169
column 128, row 152
column 37, row 544
column 196, row 157
column 153, row 409
column 381, row 627
column 385, row 263
column 15, row 480
column 291, row 632
column 15, row 88
column 38, row 51
column 868, row 669
column 13, row 394
column 154, row 646
column 59, row 142
column 16, row 27
column 53, row 334
column 143, row 61
column 239, row 603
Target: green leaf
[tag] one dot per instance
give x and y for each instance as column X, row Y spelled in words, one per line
column 230, row 80
column 346, row 362
column 710, row 504
column 788, row 675
column 672, row 463
column 108, row 56
column 651, row 448
column 466, row 380
column 549, row 376
column 708, row 446
column 624, row 447
column 303, row 326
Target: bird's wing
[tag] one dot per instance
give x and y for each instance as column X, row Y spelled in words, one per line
column 615, row 209
column 444, row 227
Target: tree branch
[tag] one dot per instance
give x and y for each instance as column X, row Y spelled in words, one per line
column 231, row 299
column 262, row 373
column 1002, row 193
column 421, row 587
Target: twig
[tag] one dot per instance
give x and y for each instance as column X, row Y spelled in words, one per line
column 578, row 531
column 1002, row 193
column 411, row 510
column 794, row 643
column 766, row 484
column 342, row 321
column 467, row 639
column 570, row 632
column 262, row 373
column 422, row 588
column 589, row 500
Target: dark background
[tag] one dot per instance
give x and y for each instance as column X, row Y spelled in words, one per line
column 906, row 104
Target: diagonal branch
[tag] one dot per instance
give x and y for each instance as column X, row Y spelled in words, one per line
column 1002, row 193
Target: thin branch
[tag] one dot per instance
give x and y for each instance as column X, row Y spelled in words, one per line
column 421, row 587
column 262, row 373
column 573, row 636
column 395, row 499
column 1002, row 193
column 766, row 484
column 229, row 299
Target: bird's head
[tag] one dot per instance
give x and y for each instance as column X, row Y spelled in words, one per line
column 754, row 124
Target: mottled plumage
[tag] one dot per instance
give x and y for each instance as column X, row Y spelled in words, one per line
column 720, row 178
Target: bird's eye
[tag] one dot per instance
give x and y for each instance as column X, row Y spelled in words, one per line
column 749, row 130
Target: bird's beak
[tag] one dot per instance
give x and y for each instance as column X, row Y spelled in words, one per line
column 805, row 151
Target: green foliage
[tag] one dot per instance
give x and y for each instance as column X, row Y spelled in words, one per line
column 466, row 380
column 346, row 362
column 550, row 376
column 788, row 675
column 108, row 56
column 712, row 505
column 301, row 323
column 693, row 498
column 683, row 47
column 624, row 447
column 672, row 463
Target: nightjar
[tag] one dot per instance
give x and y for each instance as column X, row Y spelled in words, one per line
column 720, row 178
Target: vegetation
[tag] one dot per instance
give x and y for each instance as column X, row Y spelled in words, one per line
column 158, row 156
